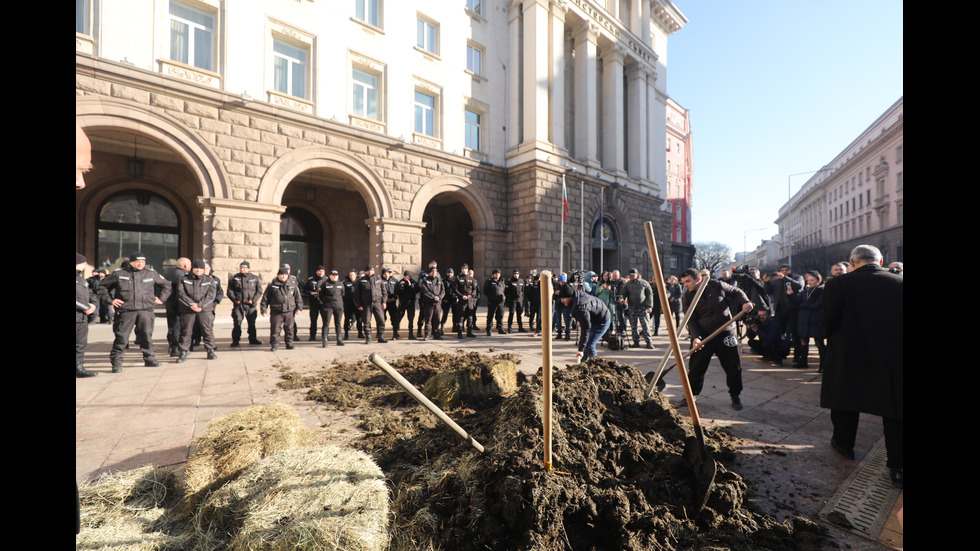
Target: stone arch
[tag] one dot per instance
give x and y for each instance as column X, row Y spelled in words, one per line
column 468, row 193
column 197, row 155
column 286, row 168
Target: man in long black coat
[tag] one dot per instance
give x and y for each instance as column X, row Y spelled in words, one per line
column 862, row 318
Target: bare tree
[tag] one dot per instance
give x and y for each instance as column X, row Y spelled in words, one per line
column 712, row 256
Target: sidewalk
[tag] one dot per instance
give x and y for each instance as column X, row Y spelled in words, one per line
column 150, row 415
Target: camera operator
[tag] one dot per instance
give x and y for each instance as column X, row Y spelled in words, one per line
column 766, row 337
column 747, row 279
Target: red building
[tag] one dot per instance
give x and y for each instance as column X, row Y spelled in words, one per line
column 679, row 183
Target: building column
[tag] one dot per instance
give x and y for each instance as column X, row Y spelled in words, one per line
column 514, row 23
column 395, row 243
column 586, row 114
column 656, row 142
column 536, row 69
column 645, row 23
column 612, row 110
column 556, row 134
column 637, row 122
column 635, row 12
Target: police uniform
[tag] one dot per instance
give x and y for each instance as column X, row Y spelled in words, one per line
column 313, row 289
column 138, row 291
column 407, row 290
column 370, row 296
column 431, row 293
column 350, row 311
column 284, row 300
column 514, row 295
column 466, row 286
column 201, row 291
column 245, row 290
column 331, row 295
column 494, row 290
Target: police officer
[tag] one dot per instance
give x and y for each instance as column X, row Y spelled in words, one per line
column 532, row 301
column 136, row 289
column 494, row 289
column 245, row 291
column 173, row 310
column 407, row 291
column 351, row 315
column 197, row 294
column 370, row 298
column 449, row 301
column 514, row 296
column 313, row 290
column 431, row 292
column 85, row 301
column 331, row 293
column 467, row 292
column 391, row 302
column 219, row 295
column 282, row 296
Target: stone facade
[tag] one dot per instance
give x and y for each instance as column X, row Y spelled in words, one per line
column 303, row 177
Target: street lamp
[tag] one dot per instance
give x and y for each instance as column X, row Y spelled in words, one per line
column 789, row 214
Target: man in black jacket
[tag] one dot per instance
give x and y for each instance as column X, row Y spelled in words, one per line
column 331, row 293
column 245, row 291
column 494, row 290
column 173, row 310
column 313, row 289
column 135, row 289
column 431, row 292
column 514, row 296
column 407, row 292
column 712, row 311
column 592, row 316
column 196, row 297
column 283, row 298
column 370, row 299
column 863, row 319
column 466, row 289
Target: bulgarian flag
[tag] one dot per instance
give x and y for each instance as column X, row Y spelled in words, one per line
column 564, row 200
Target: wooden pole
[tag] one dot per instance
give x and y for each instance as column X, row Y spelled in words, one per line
column 546, row 363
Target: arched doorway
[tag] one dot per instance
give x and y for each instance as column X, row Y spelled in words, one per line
column 300, row 242
column 605, row 246
column 137, row 220
column 447, row 237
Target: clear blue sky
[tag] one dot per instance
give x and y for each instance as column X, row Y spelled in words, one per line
column 776, row 87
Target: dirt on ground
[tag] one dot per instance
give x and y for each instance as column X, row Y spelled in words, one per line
column 620, row 480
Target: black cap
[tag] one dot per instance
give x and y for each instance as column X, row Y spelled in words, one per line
column 450, row 271
column 633, row 271
column 435, row 269
column 79, row 258
column 516, row 271
column 318, row 268
column 245, row 263
column 137, row 256
column 368, row 267
column 406, row 273
column 334, row 272
column 465, row 265
column 198, row 264
column 282, row 271
column 566, row 291
column 495, row 271
column 387, row 270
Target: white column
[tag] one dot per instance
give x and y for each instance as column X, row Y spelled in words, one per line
column 645, row 23
column 637, row 123
column 536, row 68
column 514, row 75
column 556, row 132
column 657, row 136
column 586, row 145
column 612, row 109
column 635, row 11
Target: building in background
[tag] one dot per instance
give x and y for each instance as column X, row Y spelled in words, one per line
column 856, row 198
column 679, row 181
column 371, row 131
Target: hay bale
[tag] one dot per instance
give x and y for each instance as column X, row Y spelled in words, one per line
column 314, row 499
column 127, row 510
column 234, row 442
column 473, row 383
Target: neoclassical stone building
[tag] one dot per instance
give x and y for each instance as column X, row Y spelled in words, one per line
column 373, row 131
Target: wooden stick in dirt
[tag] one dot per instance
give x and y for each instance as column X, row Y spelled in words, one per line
column 410, row 388
column 546, row 304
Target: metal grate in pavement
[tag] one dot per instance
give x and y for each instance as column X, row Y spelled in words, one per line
column 863, row 503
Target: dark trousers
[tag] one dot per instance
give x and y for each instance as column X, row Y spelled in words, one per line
column 315, row 309
column 405, row 308
column 845, row 434
column 374, row 309
column 81, row 341
column 279, row 322
column 511, row 309
column 727, row 355
column 200, row 321
column 336, row 312
column 431, row 314
column 243, row 312
column 123, row 326
column 534, row 314
column 495, row 311
column 173, row 325
column 352, row 316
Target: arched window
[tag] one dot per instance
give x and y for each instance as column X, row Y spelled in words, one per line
column 138, row 220
column 300, row 242
column 605, row 247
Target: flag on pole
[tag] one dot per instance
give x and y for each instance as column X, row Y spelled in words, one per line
column 564, row 200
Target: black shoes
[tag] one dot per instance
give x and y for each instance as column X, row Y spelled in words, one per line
column 81, row 372
column 847, row 453
column 182, row 357
column 340, row 342
column 275, row 347
column 382, row 339
column 174, row 352
column 737, row 403
column 117, row 369
column 290, row 346
column 151, row 363
column 254, row 341
column 212, row 355
column 649, row 346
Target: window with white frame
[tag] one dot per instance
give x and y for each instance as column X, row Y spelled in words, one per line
column 366, row 93
column 290, row 68
column 427, row 35
column 425, row 113
column 191, row 36
column 82, row 17
column 473, row 125
column 369, row 11
column 474, row 59
column 475, row 6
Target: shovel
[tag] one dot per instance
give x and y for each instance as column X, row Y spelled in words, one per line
column 708, row 338
column 695, row 452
